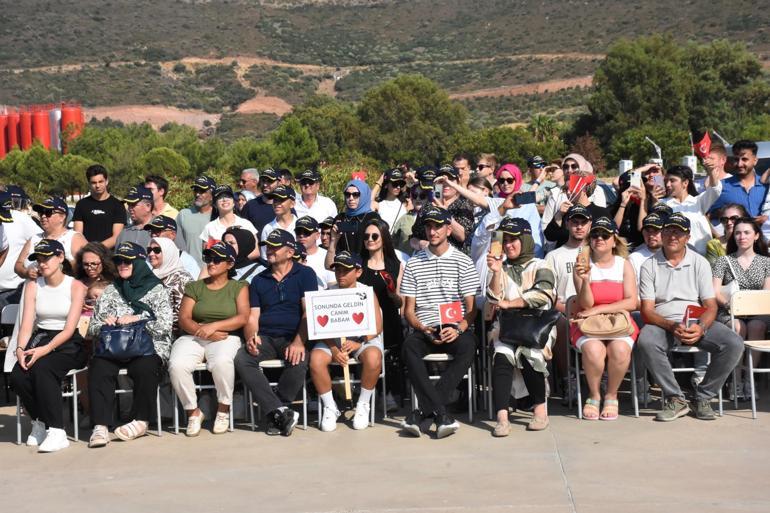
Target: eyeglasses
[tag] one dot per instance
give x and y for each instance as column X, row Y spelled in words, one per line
column 568, row 167
column 155, row 249
column 725, row 219
column 398, row 184
column 482, row 166
column 601, row 235
column 352, row 194
column 371, row 236
column 89, row 265
column 208, row 259
column 509, row 181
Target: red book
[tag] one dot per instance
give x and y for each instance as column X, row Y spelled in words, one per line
column 451, row 313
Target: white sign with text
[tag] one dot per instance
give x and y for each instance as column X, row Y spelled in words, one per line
column 339, row 313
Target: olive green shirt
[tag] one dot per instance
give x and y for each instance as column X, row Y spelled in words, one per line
column 213, row 305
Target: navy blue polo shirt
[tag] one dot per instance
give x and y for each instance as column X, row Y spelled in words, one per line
column 280, row 302
column 258, row 212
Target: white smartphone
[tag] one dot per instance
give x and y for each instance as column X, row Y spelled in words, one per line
column 636, row 179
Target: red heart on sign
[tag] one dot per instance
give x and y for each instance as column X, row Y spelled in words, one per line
column 358, row 318
column 322, row 320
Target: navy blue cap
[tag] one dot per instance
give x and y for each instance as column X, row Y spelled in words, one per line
column 394, row 175
column 282, row 192
column 536, row 162
column 604, row 223
column 327, row 223
column 224, row 190
column 306, row 223
column 514, row 226
column 6, row 200
column 300, row 252
column 220, row 250
column 16, row 192
column 662, row 209
column 129, row 251
column 203, row 183
column 678, row 220
column 51, row 203
column 348, row 260
column 425, row 176
column 137, row 194
column 161, row 222
column 5, row 215
column 279, row 238
column 309, row 174
column 654, row 220
column 447, row 170
column 46, row 248
column 270, row 174
column 578, row 211
column 434, row 214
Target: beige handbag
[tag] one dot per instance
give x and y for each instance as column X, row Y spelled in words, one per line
column 606, row 326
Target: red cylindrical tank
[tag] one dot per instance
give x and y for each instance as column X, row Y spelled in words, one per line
column 3, row 124
column 41, row 129
column 12, row 130
column 25, row 129
column 71, row 123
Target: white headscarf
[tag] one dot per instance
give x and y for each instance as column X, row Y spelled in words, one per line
column 171, row 262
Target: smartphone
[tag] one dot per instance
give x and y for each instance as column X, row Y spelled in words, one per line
column 636, row 179
column 437, row 191
column 526, row 198
column 496, row 246
column 657, row 181
column 346, row 227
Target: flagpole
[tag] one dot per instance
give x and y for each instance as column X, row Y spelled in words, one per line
column 692, row 146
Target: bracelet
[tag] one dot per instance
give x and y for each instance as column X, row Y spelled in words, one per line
column 623, row 206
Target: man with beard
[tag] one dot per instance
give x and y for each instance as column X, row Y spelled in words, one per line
column 191, row 221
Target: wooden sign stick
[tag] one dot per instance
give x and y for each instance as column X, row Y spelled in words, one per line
column 346, row 378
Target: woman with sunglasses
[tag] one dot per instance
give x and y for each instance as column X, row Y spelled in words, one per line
column 163, row 256
column 589, row 195
column 747, row 263
column 346, row 232
column 213, row 312
column 605, row 283
column 49, row 344
column 717, row 247
column 53, row 220
column 137, row 294
column 391, row 196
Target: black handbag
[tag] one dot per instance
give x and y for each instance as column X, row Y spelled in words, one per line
column 125, row 341
column 526, row 327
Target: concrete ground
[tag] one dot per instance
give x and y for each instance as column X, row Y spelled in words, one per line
column 631, row 465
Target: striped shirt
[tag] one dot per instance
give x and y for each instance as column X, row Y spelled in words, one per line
column 433, row 280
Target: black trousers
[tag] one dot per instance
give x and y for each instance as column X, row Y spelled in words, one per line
column 39, row 388
column 290, row 382
column 144, row 371
column 418, row 345
column 502, row 379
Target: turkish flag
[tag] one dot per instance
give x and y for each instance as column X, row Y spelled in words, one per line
column 450, row 313
column 693, row 314
column 577, row 183
column 703, row 148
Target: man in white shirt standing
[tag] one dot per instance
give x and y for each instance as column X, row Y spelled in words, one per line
column 306, row 231
column 682, row 197
column 311, row 203
column 283, row 205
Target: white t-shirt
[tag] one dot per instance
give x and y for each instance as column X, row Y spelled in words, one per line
column 695, row 208
column 268, row 229
column 215, row 229
column 391, row 211
column 322, row 208
column 18, row 233
column 562, row 261
column 316, row 262
column 638, row 257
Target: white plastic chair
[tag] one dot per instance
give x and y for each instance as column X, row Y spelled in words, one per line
column 443, row 357
column 201, row 367
column 745, row 303
column 278, row 364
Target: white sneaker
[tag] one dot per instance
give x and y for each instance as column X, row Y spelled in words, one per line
column 221, row 422
column 329, row 419
column 361, row 418
column 194, row 424
column 37, row 435
column 55, row 440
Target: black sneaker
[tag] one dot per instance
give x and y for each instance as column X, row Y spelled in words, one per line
column 273, row 427
column 288, row 421
column 411, row 424
column 445, row 425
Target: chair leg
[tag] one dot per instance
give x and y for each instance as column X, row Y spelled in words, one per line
column 753, row 389
column 232, row 420
column 75, row 393
column 470, row 397
column 304, row 406
column 633, row 387
column 157, row 406
column 176, row 411
column 490, row 356
column 735, row 388
column 18, row 420
column 577, row 385
column 251, row 412
column 372, row 405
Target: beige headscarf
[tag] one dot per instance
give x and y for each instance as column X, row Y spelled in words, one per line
column 584, row 165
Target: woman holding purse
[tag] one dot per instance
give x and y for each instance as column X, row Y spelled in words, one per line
column 605, row 283
column 745, row 267
column 49, row 344
column 519, row 280
column 137, row 294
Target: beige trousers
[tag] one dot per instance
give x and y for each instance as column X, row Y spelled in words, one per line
column 188, row 352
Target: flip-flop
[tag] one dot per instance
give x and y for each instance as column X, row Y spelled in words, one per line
column 610, row 410
column 591, row 409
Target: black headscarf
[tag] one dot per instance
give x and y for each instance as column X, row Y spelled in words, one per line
column 246, row 245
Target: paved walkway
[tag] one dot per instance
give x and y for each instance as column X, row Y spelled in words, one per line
column 631, row 465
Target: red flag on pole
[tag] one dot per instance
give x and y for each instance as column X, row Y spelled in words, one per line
column 451, row 313
column 703, row 148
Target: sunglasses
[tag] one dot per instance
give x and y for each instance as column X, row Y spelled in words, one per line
column 482, row 166
column 89, row 265
column 208, row 259
column 307, row 183
column 48, row 213
column 266, row 180
column 398, row 184
column 371, row 236
column 352, row 194
column 509, row 181
column 568, row 167
column 601, row 235
column 724, row 220
column 304, row 233
column 155, row 250
column 420, row 196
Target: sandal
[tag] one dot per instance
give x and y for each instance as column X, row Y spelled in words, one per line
column 591, row 409
column 610, row 410
column 132, row 430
